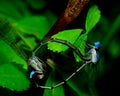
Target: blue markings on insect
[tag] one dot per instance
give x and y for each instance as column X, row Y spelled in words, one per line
column 98, row 56
column 32, row 73
column 95, row 53
column 97, row 44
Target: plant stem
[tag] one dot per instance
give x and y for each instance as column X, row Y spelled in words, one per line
column 74, row 7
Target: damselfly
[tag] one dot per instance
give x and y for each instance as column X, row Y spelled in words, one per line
column 37, row 64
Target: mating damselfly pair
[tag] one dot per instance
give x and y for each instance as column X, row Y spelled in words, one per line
column 38, row 65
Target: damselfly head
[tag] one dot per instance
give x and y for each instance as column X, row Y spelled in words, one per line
column 97, row 45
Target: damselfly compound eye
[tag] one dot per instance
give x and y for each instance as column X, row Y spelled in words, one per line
column 97, row 44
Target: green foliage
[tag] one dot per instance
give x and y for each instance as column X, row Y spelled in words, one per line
column 21, row 27
column 19, row 31
column 80, row 44
column 69, row 35
column 37, row 4
column 92, row 18
column 14, row 13
column 74, row 37
column 35, row 28
column 10, row 73
column 114, row 27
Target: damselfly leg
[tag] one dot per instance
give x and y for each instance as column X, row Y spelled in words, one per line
column 64, row 81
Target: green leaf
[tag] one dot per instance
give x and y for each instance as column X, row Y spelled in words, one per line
column 80, row 44
column 51, row 81
column 12, row 78
column 16, row 37
column 13, row 10
column 13, row 69
column 69, row 35
column 37, row 4
column 34, row 25
column 92, row 18
column 28, row 41
column 111, row 32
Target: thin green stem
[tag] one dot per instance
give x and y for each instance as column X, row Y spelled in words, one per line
column 113, row 29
